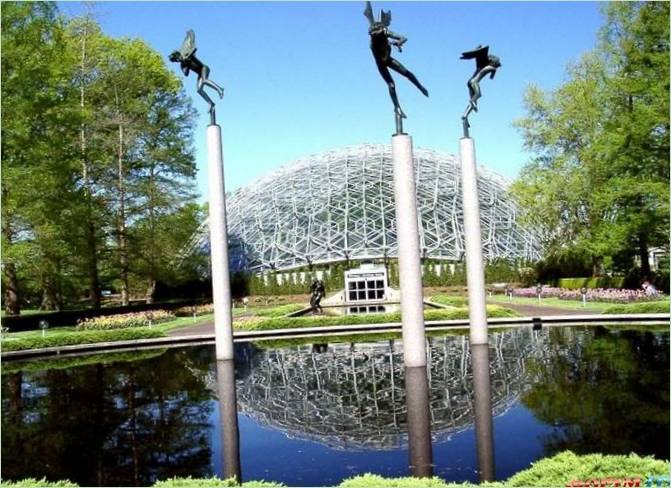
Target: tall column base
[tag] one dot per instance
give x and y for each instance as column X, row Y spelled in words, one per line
column 228, row 420
column 221, row 283
column 409, row 266
column 419, row 422
column 475, row 270
column 483, row 411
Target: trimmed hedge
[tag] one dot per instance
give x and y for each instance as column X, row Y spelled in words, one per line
column 644, row 307
column 450, row 300
column 373, row 318
column 558, row 470
column 126, row 320
column 577, row 283
column 280, row 311
column 80, row 337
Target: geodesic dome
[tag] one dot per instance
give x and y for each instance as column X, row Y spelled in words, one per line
column 339, row 205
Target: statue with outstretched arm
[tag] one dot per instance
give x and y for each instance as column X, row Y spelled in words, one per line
column 186, row 57
column 485, row 64
column 381, row 40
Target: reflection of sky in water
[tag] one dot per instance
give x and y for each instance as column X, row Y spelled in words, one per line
column 268, row 453
column 584, row 389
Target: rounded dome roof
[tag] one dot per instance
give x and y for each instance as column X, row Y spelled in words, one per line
column 339, row 205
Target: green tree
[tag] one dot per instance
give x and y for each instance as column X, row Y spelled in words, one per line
column 36, row 150
column 598, row 182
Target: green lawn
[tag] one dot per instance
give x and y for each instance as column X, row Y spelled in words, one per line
column 550, row 302
column 29, row 311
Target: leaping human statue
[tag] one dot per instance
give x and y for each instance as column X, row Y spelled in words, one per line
column 186, row 57
column 380, row 44
column 485, row 64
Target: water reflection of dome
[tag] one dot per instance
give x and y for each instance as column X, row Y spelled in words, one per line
column 348, row 398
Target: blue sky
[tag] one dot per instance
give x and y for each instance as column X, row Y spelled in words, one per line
column 300, row 78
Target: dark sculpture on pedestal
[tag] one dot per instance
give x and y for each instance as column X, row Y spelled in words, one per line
column 485, row 64
column 186, row 57
column 380, row 44
column 317, row 292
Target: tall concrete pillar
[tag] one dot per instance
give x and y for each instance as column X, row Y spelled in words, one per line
column 409, row 266
column 228, row 420
column 419, row 422
column 483, row 411
column 221, row 283
column 475, row 270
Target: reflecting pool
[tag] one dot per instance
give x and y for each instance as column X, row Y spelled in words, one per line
column 313, row 414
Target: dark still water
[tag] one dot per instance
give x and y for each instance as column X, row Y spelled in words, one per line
column 314, row 415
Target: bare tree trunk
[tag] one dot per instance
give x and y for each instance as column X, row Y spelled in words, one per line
column 152, row 240
column 49, row 294
column 643, row 255
column 10, row 281
column 11, row 292
column 121, row 225
column 151, row 291
column 90, row 227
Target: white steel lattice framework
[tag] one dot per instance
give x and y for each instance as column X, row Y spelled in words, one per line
column 339, row 205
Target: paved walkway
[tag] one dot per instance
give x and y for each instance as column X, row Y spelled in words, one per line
column 524, row 310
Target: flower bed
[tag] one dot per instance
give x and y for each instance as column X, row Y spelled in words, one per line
column 126, row 320
column 610, row 295
column 199, row 310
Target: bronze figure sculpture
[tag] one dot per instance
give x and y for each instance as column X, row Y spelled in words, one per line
column 485, row 64
column 380, row 44
column 186, row 57
column 317, row 292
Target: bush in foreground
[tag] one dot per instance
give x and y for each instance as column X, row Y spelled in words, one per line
column 567, row 466
column 126, row 320
column 558, row 470
column 212, row 482
column 32, row 482
column 80, row 337
column 648, row 307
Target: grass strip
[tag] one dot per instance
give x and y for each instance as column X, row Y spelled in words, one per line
column 373, row 318
column 661, row 306
column 80, row 337
column 450, row 300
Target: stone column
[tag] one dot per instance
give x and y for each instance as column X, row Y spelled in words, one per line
column 407, row 234
column 475, row 271
column 221, row 283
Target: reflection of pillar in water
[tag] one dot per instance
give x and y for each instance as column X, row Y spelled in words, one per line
column 419, row 422
column 228, row 419
column 483, row 411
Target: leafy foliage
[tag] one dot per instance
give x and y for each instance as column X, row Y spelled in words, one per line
column 97, row 163
column 567, row 466
column 597, row 185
